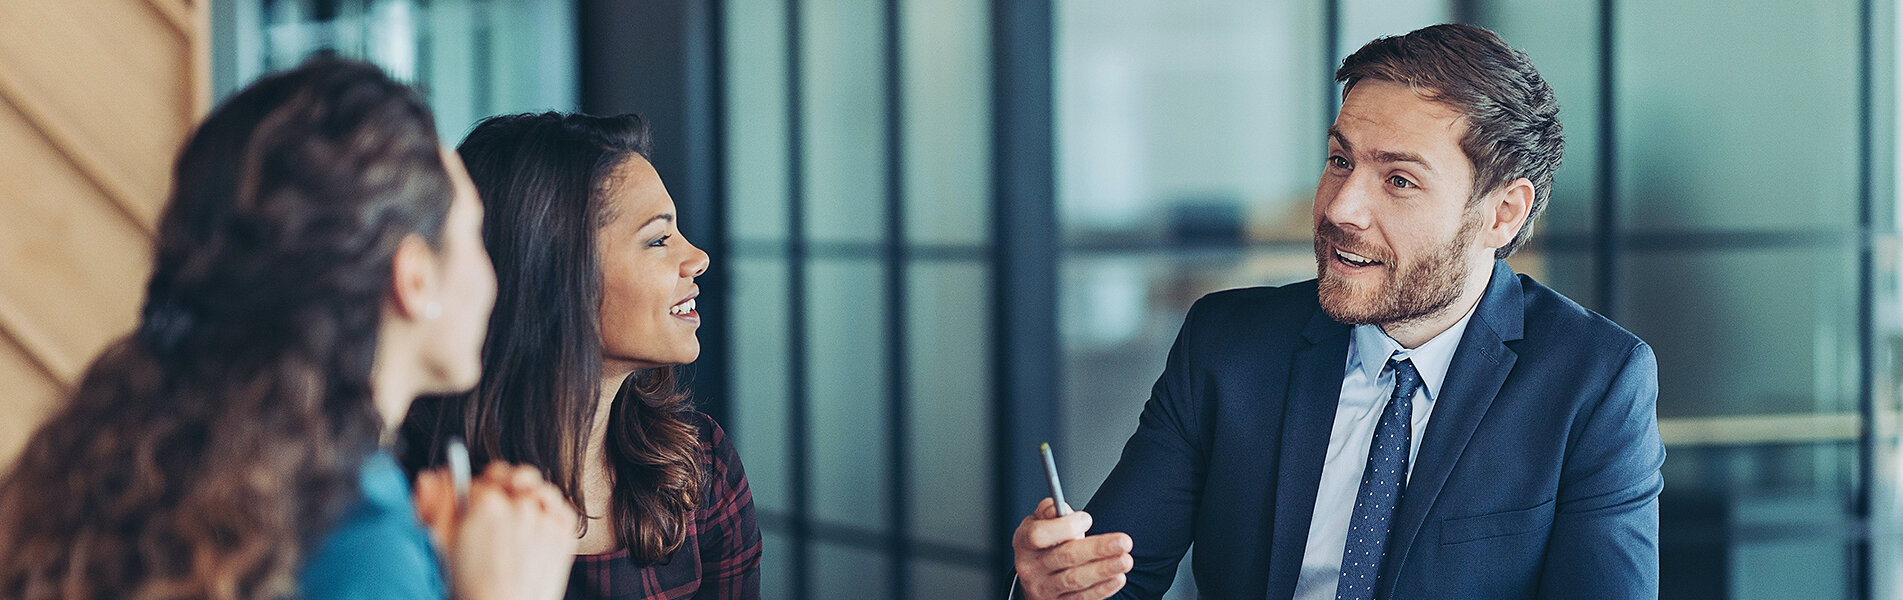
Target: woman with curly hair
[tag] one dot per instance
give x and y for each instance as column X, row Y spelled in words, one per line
column 319, row 265
column 595, row 307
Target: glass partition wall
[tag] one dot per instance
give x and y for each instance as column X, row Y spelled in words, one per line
column 896, row 175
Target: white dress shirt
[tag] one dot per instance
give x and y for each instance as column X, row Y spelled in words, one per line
column 1364, row 396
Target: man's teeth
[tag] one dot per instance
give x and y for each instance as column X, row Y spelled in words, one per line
column 1354, row 259
column 682, row 308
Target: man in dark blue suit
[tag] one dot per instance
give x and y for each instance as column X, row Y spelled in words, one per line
column 1417, row 422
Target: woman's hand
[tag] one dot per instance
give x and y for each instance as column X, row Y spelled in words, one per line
column 515, row 539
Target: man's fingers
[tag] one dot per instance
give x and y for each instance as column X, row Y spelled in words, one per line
column 1045, row 510
column 1044, row 533
column 1102, row 590
column 1048, row 510
column 1102, row 577
column 1091, row 574
column 1093, row 548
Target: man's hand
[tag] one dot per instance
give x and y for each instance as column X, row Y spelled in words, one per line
column 1056, row 562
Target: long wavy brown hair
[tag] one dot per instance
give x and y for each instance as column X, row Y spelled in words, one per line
column 545, row 180
column 201, row 455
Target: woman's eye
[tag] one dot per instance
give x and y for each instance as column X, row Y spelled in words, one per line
column 660, row 241
column 1400, row 182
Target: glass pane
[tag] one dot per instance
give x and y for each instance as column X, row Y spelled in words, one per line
column 756, row 126
column 950, row 364
column 1557, row 34
column 1198, row 121
column 470, row 58
column 1757, row 522
column 947, row 77
column 845, row 346
column 848, row 572
column 1185, row 586
column 842, row 54
column 1886, row 480
column 940, row 581
column 776, row 565
column 1568, row 272
column 532, row 45
column 1746, row 331
column 1364, row 20
column 1118, row 315
column 1702, row 125
column 760, row 376
column 454, row 94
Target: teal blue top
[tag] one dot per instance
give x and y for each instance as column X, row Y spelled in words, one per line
column 379, row 550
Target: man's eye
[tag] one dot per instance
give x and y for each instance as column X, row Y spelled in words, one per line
column 1400, row 182
column 1338, row 162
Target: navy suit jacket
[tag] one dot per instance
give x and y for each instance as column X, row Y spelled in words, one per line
column 1538, row 476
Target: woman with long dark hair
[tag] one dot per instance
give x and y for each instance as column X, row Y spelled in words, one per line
column 318, row 266
column 595, row 307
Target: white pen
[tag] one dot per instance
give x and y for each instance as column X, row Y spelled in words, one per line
column 459, row 471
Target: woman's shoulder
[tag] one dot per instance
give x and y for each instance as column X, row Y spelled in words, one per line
column 716, row 446
column 719, row 460
column 373, row 555
column 378, row 550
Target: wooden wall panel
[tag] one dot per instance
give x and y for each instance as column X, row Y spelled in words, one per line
column 108, row 70
column 95, row 98
column 21, row 380
column 85, row 260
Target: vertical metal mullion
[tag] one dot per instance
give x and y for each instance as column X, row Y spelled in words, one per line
column 719, row 237
column 483, row 61
column 798, row 362
column 1607, row 243
column 1866, row 296
column 1331, row 41
column 1025, row 358
column 899, row 541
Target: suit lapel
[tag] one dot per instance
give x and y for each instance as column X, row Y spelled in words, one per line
column 1309, row 417
column 1480, row 366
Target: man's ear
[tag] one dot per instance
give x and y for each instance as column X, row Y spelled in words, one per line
column 414, row 276
column 1504, row 211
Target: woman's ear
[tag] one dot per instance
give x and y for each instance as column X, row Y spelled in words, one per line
column 415, row 277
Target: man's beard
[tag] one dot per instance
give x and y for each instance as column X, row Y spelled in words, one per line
column 1407, row 292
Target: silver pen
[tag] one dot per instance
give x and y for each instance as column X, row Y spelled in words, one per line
column 1050, row 472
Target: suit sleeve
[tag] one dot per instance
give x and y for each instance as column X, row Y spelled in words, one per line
column 1153, row 491
column 1605, row 531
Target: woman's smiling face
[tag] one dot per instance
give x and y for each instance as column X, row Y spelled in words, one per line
column 647, row 273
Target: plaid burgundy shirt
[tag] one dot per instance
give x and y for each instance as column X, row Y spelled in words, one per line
column 720, row 559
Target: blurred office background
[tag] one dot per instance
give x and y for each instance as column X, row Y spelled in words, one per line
column 944, row 230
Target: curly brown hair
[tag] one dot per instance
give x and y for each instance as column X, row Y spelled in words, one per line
column 201, row 455
column 544, row 181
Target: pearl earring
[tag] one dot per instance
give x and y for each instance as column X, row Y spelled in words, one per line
column 432, row 310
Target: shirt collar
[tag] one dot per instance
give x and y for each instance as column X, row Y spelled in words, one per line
column 1370, row 349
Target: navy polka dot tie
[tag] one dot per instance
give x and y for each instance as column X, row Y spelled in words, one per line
column 1381, row 487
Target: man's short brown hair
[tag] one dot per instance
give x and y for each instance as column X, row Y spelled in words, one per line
column 1513, row 128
